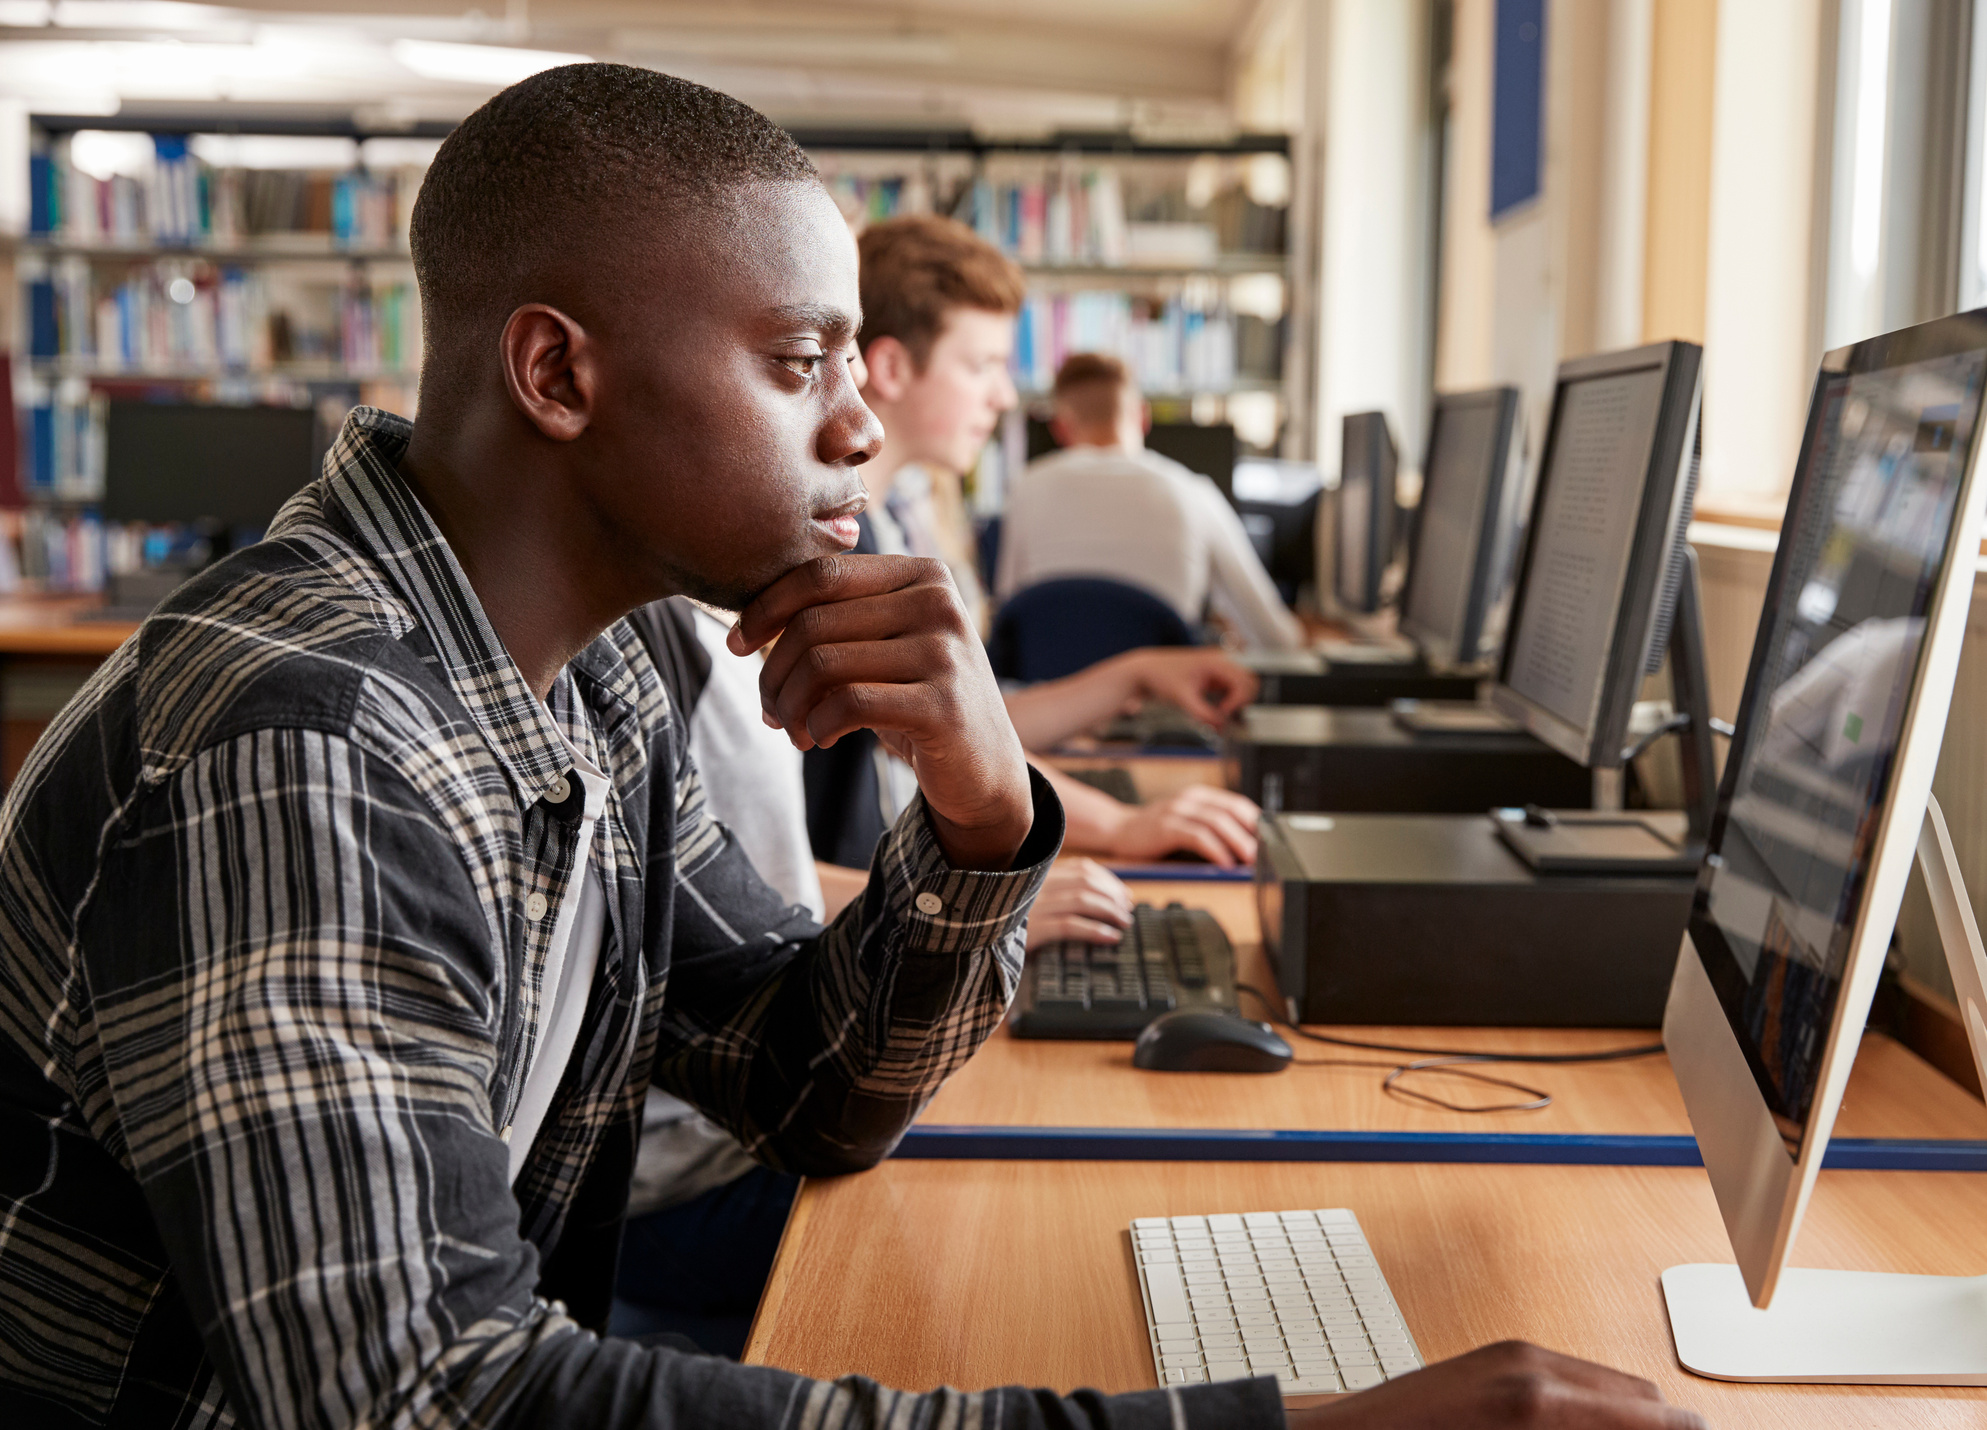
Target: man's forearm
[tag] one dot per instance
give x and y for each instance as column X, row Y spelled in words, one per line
column 1045, row 715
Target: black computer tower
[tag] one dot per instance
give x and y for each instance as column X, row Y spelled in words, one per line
column 1430, row 919
column 1296, row 757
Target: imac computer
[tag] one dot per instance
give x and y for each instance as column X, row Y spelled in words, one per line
column 1825, row 801
column 1468, row 530
column 1365, row 512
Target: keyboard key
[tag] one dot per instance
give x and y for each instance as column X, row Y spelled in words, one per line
column 1231, row 1370
column 1166, row 1294
column 1307, row 1385
column 1399, row 1365
column 1360, row 1378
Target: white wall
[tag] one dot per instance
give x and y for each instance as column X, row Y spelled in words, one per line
column 1371, row 298
column 1759, row 354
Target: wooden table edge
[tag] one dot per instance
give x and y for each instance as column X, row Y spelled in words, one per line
column 774, row 1296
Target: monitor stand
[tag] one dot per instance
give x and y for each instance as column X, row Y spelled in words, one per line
column 1559, row 842
column 1855, row 1327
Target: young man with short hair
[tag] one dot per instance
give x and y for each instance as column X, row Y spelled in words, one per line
column 350, row 907
column 937, row 332
column 1106, row 506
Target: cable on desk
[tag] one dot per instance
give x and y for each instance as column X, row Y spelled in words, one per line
column 1454, row 1062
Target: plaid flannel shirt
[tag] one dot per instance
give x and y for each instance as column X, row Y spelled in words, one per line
column 270, row 977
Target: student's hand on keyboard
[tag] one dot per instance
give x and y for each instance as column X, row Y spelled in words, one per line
column 1200, row 680
column 1216, row 824
column 1512, row 1386
column 884, row 643
column 1081, row 900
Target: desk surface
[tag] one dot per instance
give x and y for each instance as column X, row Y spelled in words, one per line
column 978, row 1274
column 54, row 626
column 1034, row 1083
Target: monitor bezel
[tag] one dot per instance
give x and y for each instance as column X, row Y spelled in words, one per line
column 1379, row 528
column 1762, row 1191
column 1464, row 646
column 1658, row 534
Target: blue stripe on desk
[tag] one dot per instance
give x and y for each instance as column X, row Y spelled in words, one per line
column 1201, row 1144
column 1166, row 872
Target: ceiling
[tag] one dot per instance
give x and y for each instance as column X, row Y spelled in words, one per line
column 1003, row 66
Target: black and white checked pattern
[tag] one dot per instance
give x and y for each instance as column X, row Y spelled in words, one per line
column 269, row 982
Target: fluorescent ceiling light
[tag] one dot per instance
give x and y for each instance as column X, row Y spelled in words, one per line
column 477, row 64
column 136, row 15
column 101, row 153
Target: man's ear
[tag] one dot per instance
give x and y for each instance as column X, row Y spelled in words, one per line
column 1059, row 429
column 891, row 369
column 1145, row 417
column 550, row 370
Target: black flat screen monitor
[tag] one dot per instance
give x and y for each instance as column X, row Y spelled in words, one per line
column 1469, row 527
column 1365, row 504
column 182, row 462
column 1602, row 558
column 1864, row 550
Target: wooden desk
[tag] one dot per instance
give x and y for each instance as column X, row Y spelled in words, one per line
column 49, row 634
column 1154, row 776
column 54, row 626
column 977, row 1274
column 1032, row 1083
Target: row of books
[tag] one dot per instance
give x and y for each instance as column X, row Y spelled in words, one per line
column 61, row 550
column 180, row 200
column 1076, row 217
column 1171, row 346
column 170, row 315
column 64, row 442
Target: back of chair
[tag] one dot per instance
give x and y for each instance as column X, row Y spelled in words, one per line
column 1056, row 628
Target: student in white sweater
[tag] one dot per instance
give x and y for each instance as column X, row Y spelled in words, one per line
column 1105, row 506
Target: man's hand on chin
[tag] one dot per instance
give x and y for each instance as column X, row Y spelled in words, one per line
column 883, row 643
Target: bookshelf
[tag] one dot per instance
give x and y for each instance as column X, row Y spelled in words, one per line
column 192, row 265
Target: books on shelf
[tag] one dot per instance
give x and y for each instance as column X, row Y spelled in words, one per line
column 1179, row 345
column 180, row 200
column 172, row 315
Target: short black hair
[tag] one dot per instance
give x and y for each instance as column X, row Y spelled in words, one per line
column 548, row 163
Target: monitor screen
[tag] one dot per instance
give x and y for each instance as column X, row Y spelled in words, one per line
column 1443, row 605
column 1365, row 510
column 1212, row 449
column 1583, row 532
column 1809, row 772
column 181, row 462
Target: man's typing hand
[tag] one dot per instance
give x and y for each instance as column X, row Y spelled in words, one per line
column 1206, row 683
column 1512, row 1386
column 884, row 643
column 1080, row 900
column 1217, row 824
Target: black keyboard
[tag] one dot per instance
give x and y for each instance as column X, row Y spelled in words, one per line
column 1171, row 958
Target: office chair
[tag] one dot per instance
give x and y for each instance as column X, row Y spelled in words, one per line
column 1056, row 628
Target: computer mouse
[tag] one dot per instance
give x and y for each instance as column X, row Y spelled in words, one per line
column 1207, row 1040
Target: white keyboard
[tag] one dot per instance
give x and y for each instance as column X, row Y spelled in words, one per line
column 1296, row 1295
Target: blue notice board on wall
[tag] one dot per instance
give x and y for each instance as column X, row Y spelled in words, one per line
column 1517, row 119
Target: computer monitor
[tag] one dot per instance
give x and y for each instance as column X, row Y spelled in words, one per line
column 1603, row 559
column 1823, row 802
column 1364, row 509
column 183, row 462
column 1211, row 449
column 1468, row 530
column 1278, row 504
